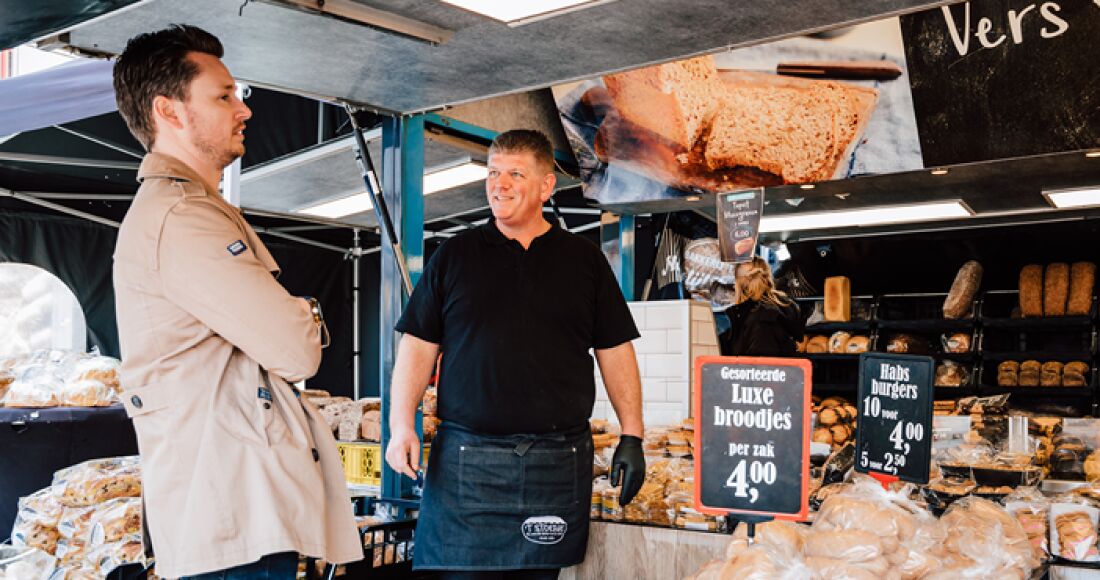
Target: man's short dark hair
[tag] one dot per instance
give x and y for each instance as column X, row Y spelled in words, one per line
column 526, row 140
column 155, row 63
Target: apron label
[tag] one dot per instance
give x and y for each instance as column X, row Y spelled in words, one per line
column 544, row 530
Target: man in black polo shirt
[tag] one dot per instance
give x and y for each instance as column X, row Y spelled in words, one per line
column 514, row 307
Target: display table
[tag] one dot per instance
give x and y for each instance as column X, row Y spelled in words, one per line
column 634, row 551
column 38, row 442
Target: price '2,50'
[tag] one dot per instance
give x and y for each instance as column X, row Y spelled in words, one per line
column 748, row 475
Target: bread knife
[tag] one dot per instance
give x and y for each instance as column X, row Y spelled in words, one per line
column 879, row 70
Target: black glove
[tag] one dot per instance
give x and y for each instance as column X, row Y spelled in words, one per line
column 628, row 467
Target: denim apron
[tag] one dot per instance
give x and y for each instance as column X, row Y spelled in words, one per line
column 505, row 502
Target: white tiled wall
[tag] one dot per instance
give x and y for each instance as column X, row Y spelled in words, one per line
column 673, row 334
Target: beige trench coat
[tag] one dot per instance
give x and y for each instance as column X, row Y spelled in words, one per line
column 232, row 469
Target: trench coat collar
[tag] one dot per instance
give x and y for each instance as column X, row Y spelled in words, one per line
column 165, row 166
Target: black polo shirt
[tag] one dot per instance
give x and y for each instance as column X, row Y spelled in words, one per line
column 515, row 328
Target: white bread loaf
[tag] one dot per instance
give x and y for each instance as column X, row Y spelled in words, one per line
column 674, row 100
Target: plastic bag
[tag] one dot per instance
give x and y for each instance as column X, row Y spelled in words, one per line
column 107, row 557
column 22, row 563
column 101, row 369
column 36, row 393
column 1073, row 529
column 1032, row 509
column 117, row 520
column 982, row 538
column 98, row 480
column 87, row 393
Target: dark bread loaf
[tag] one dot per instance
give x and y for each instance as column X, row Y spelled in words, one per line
column 961, row 297
column 1031, row 290
column 1082, row 276
column 1055, row 289
column 1007, row 379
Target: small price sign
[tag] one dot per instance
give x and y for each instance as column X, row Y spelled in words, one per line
column 894, row 435
column 752, row 427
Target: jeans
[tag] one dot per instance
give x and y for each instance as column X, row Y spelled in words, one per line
column 282, row 566
column 501, row 575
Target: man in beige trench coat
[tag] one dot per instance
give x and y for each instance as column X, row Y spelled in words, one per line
column 239, row 475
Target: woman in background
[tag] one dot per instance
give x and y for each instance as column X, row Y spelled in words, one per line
column 765, row 321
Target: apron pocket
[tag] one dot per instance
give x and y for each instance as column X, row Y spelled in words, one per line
column 550, row 479
column 488, row 477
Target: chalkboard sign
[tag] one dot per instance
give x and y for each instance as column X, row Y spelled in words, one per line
column 739, row 223
column 752, row 436
column 1004, row 78
column 894, row 434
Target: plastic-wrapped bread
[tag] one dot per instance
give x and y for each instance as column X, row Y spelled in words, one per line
column 1082, row 277
column 87, row 393
column 961, row 297
column 1031, row 291
column 1055, row 289
column 838, row 299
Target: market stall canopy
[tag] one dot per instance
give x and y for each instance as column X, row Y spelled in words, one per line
column 69, row 92
column 25, row 21
column 276, row 44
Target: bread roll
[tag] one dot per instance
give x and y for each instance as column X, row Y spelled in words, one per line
column 828, row 417
column 817, row 344
column 834, row 402
column 1008, row 379
column 1055, row 289
column 823, row 435
column 838, row 342
column 961, row 297
column 857, row 344
column 1008, row 366
column 1029, row 378
column 1082, row 277
column 838, row 299
column 841, row 433
column 1031, row 365
column 1031, row 290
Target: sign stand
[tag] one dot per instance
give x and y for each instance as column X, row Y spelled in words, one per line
column 752, row 438
column 750, row 520
column 884, row 479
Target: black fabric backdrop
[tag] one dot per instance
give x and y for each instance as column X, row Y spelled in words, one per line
column 79, row 253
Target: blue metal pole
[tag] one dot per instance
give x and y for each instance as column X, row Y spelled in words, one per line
column 626, row 255
column 402, row 182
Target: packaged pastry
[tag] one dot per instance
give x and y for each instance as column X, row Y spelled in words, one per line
column 951, row 374
column 102, row 369
column 87, row 393
column 98, row 480
column 40, row 392
column 1076, row 535
column 75, row 522
column 838, row 341
column 1032, row 510
column 118, row 520
column 35, row 536
column 6, row 379
column 956, row 343
column 1031, row 291
column 107, row 557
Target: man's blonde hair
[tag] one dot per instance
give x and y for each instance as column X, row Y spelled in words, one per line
column 526, row 140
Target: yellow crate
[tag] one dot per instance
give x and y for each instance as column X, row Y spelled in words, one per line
column 363, row 461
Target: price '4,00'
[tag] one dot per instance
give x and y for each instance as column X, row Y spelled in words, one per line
column 746, row 475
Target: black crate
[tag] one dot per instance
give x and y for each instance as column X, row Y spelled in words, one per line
column 387, row 551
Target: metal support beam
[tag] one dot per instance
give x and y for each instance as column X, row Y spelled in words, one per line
column 403, row 188
column 101, row 142
column 73, row 161
column 480, row 133
column 58, row 208
column 356, row 341
column 626, row 256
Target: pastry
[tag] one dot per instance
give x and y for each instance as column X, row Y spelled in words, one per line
column 828, row 417
column 956, row 343
column 823, row 435
column 857, row 344
column 840, row 433
column 838, row 299
column 1055, row 289
column 1082, row 277
column 963, row 289
column 1031, row 290
column 1076, row 535
column 817, row 344
column 838, row 342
